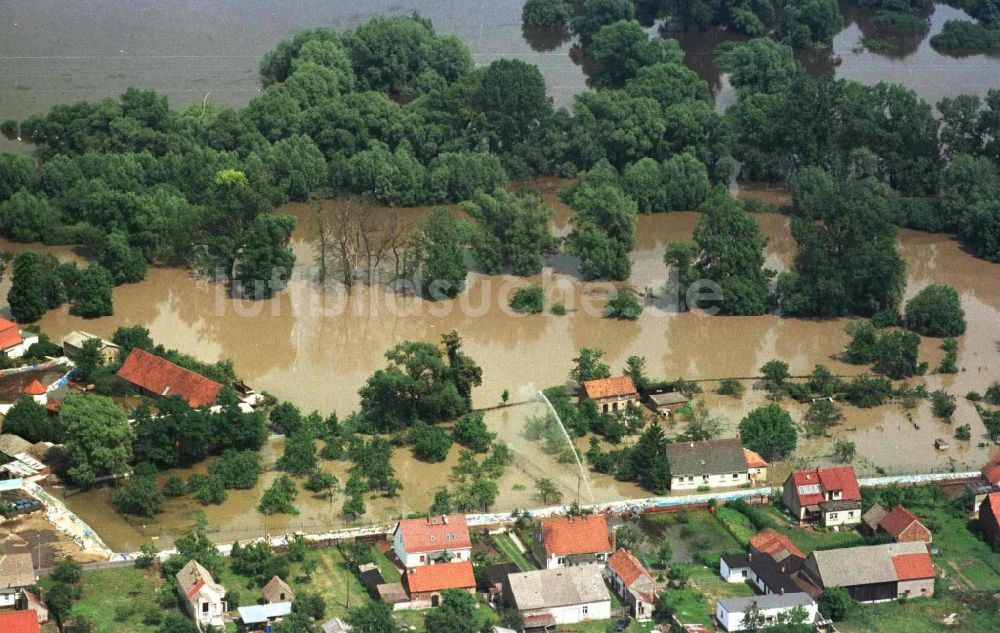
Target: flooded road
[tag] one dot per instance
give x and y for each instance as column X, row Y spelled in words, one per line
column 309, row 346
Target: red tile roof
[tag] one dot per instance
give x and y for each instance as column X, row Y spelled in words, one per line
column 160, row 376
column 992, row 502
column 913, row 566
column 19, row 622
column 898, row 519
column 440, row 577
column 435, row 533
column 770, row 541
column 609, row 387
column 754, row 460
column 10, row 334
column 828, row 479
column 35, row 388
column 565, row 536
column 626, row 567
column 991, row 471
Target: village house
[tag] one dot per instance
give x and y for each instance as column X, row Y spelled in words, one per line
column 425, row 583
column 664, row 402
column 874, row 573
column 986, row 485
column 19, row 622
column 160, row 378
column 566, row 541
column 14, row 342
column 16, row 572
column 73, row 343
column 37, row 391
column 436, row 539
column 775, row 544
column 731, row 613
column 550, row 597
column 829, row 495
column 31, row 602
column 899, row 523
column 202, row 597
column 712, row 463
column 766, row 574
column 633, row 584
column 260, row 617
column 277, row 591
column 989, row 517
column 610, row 394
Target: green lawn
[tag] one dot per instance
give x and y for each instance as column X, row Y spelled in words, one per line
column 506, row 545
column 964, row 558
column 389, row 571
column 736, row 523
column 920, row 616
column 690, row 605
column 116, row 600
column 808, row 539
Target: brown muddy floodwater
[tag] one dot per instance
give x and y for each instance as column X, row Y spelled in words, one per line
column 309, row 346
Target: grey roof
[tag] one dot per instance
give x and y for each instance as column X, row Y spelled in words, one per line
column 336, row 625
column 670, row 397
column 192, row 574
column 874, row 516
column 564, row 586
column 77, row 338
column 863, row 565
column 16, row 570
column 710, row 457
column 260, row 613
column 769, row 601
column 840, row 504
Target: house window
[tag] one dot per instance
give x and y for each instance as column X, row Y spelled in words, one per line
column 691, row 478
column 832, row 515
column 745, row 572
column 561, row 561
column 850, row 515
column 423, row 558
column 585, row 607
column 736, row 475
column 204, row 607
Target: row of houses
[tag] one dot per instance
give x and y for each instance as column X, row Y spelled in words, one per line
column 26, row 611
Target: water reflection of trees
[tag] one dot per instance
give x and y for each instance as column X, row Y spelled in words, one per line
column 545, row 38
column 884, row 40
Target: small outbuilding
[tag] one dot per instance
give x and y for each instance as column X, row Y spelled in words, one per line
column 276, row 591
column 731, row 613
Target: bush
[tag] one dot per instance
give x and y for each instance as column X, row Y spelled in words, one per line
column 942, row 404
column 546, row 13
column 174, row 486
column 731, row 387
column 279, row 497
column 237, row 469
column 430, row 443
column 835, row 603
column 949, row 364
column 624, row 304
column 530, row 299
column 936, row 311
column 769, row 431
column 139, row 496
column 558, row 309
column 963, row 432
column 471, row 432
column 868, row 391
column 211, row 491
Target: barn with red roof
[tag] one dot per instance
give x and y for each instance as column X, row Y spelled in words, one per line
column 989, row 517
column 564, row 541
column 830, row 496
column 904, row 527
column 425, row 583
column 160, row 378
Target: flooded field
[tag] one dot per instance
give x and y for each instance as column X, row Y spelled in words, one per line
column 309, row 346
column 57, row 52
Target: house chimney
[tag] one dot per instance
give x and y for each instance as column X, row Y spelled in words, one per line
column 749, row 557
column 781, row 591
column 444, row 517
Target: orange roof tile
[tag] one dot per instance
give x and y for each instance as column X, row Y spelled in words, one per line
column 913, row 566
column 435, row 533
column 565, row 536
column 991, row 471
column 442, row 576
column 10, row 334
column 626, row 566
column 754, row 460
column 160, row 376
column 609, row 387
column 992, row 503
column 826, row 479
column 770, row 541
column 35, row 388
column 19, row 622
column 898, row 519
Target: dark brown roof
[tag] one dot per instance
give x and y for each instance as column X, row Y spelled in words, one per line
column 709, row 457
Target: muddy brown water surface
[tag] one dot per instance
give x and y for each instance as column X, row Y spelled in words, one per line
column 319, row 358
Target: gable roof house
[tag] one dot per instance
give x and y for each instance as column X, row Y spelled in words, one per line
column 160, row 378
column 16, row 571
column 13, row 341
column 610, row 394
column 202, row 597
column 633, row 584
column 712, row 463
column 871, row 519
column 73, row 342
column 425, row 583
column 435, row 539
column 566, row 541
column 559, row 596
column 829, row 495
column 874, row 573
column 768, row 575
column 19, row 622
column 989, row 517
column 904, row 527
column 731, row 612
column 277, row 590
column 775, row 544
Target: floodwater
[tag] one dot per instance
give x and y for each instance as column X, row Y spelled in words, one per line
column 57, row 52
column 308, row 346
